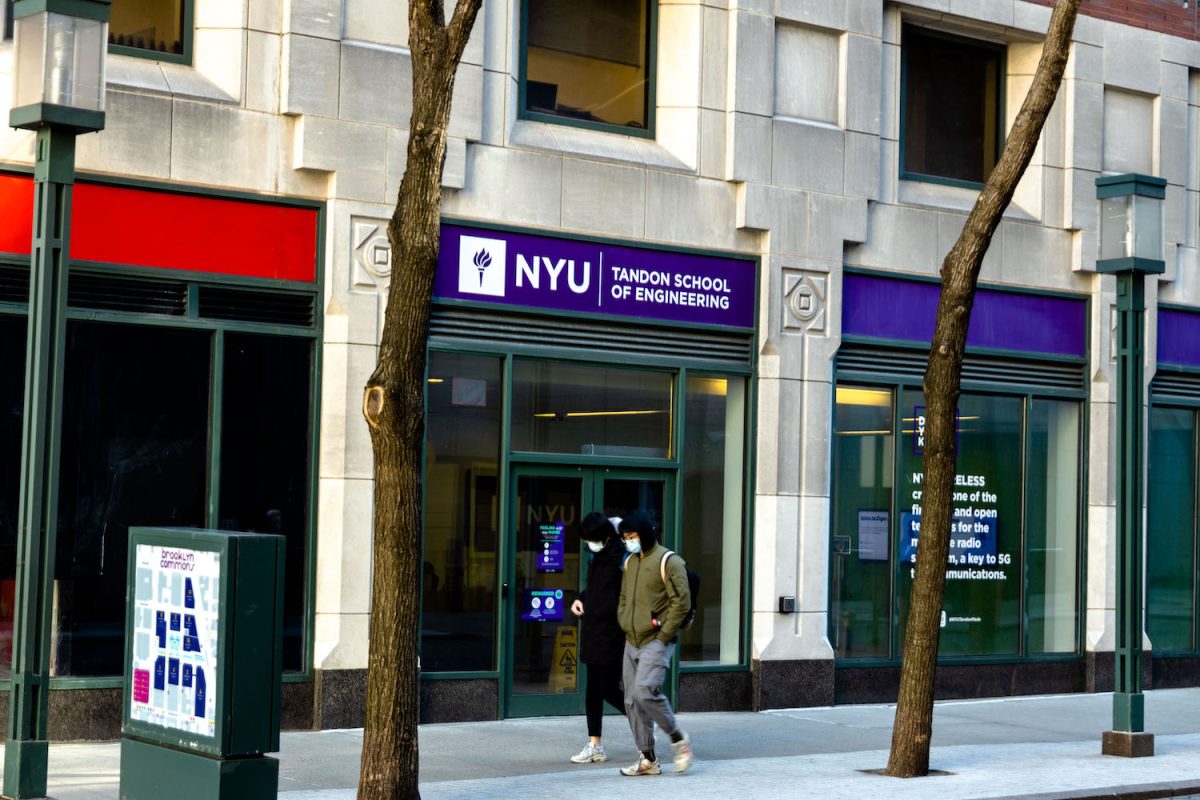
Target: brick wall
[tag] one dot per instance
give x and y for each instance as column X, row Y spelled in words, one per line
column 1164, row 16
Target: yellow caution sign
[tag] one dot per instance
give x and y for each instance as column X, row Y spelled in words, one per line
column 564, row 662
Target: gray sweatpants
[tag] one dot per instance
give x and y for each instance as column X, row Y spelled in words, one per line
column 644, row 670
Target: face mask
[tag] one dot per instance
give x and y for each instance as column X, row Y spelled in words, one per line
column 595, row 547
column 633, row 545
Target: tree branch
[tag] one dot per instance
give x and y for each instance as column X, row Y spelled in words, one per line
column 461, row 25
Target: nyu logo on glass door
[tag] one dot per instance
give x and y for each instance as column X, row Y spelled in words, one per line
column 482, row 265
column 553, row 273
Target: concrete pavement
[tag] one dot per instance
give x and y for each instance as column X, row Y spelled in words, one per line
column 1003, row 748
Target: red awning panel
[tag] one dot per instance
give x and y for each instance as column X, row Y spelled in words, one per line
column 16, row 214
column 147, row 228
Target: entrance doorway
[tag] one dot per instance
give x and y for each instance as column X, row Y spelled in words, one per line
column 547, row 566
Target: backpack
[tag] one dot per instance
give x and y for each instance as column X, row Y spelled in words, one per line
column 693, row 580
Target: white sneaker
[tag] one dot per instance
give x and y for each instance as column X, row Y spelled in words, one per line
column 683, row 753
column 591, row 753
column 642, row 766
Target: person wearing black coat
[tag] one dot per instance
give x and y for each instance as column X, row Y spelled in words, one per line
column 603, row 644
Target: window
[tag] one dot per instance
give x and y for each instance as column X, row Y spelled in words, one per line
column 711, row 531
column 1012, row 585
column 1171, row 530
column 462, row 513
column 589, row 62
column 6, row 26
column 951, row 108
column 609, row 411
column 160, row 29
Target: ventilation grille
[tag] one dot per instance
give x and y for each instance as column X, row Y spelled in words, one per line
column 909, row 366
column 14, row 284
column 109, row 293
column 277, row 308
column 597, row 337
column 1175, row 386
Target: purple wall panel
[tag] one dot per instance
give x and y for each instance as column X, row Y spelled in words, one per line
column 889, row 308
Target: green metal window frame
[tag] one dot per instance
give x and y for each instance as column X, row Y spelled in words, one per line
column 218, row 327
column 651, row 80
column 187, row 37
column 897, row 387
column 1002, row 72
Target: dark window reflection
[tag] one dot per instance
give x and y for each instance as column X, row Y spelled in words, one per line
column 951, row 106
column 12, row 388
column 462, row 507
column 134, row 452
column 264, row 457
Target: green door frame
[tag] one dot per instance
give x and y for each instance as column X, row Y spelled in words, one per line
column 593, row 478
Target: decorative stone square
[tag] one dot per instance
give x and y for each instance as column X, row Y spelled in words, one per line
column 805, row 296
column 371, row 254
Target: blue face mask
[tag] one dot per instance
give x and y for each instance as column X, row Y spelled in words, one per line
column 633, row 545
column 595, row 547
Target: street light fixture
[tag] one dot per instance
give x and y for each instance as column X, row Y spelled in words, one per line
column 1131, row 224
column 58, row 91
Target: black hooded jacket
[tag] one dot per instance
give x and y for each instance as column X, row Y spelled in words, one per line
column 603, row 640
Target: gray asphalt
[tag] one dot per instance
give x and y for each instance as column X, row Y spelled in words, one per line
column 1044, row 747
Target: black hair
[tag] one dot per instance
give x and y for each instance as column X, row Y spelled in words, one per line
column 639, row 522
column 596, row 528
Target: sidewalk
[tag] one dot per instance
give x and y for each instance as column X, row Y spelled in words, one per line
column 1006, row 748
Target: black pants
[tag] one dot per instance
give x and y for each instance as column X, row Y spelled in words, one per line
column 603, row 684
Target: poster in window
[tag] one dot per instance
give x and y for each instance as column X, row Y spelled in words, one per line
column 873, row 536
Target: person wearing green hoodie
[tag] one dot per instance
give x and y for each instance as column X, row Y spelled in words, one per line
column 654, row 602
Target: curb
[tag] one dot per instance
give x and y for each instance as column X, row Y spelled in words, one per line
column 1146, row 791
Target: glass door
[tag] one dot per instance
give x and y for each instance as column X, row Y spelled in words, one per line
column 548, row 567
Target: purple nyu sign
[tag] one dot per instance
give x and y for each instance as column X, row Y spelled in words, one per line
column 555, row 274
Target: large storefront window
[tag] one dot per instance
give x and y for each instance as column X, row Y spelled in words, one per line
column 711, row 531
column 1011, row 585
column 265, row 456
column 462, row 513
column 1171, row 530
column 136, row 450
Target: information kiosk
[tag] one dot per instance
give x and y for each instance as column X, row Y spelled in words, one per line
column 202, row 665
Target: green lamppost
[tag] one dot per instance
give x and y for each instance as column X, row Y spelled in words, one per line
column 1131, row 247
column 58, row 91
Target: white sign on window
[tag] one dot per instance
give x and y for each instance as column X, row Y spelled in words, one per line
column 873, row 535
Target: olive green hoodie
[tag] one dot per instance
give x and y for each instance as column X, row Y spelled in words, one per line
column 644, row 597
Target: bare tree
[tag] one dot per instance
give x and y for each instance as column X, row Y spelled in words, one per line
column 913, row 727
column 394, row 407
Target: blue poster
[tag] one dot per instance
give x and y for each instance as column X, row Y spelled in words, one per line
column 550, row 557
column 541, row 605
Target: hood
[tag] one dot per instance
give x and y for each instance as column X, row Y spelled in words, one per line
column 639, row 522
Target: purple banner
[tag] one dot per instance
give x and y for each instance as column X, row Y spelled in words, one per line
column 890, row 308
column 551, row 273
column 1178, row 338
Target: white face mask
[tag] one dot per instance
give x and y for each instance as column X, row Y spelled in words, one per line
column 633, row 545
column 595, row 547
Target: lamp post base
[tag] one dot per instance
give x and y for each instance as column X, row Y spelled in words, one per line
column 25, row 771
column 1127, row 744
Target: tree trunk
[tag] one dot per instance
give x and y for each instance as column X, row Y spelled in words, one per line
column 394, row 407
column 913, row 726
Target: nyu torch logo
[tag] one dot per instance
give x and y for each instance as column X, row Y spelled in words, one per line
column 481, row 265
